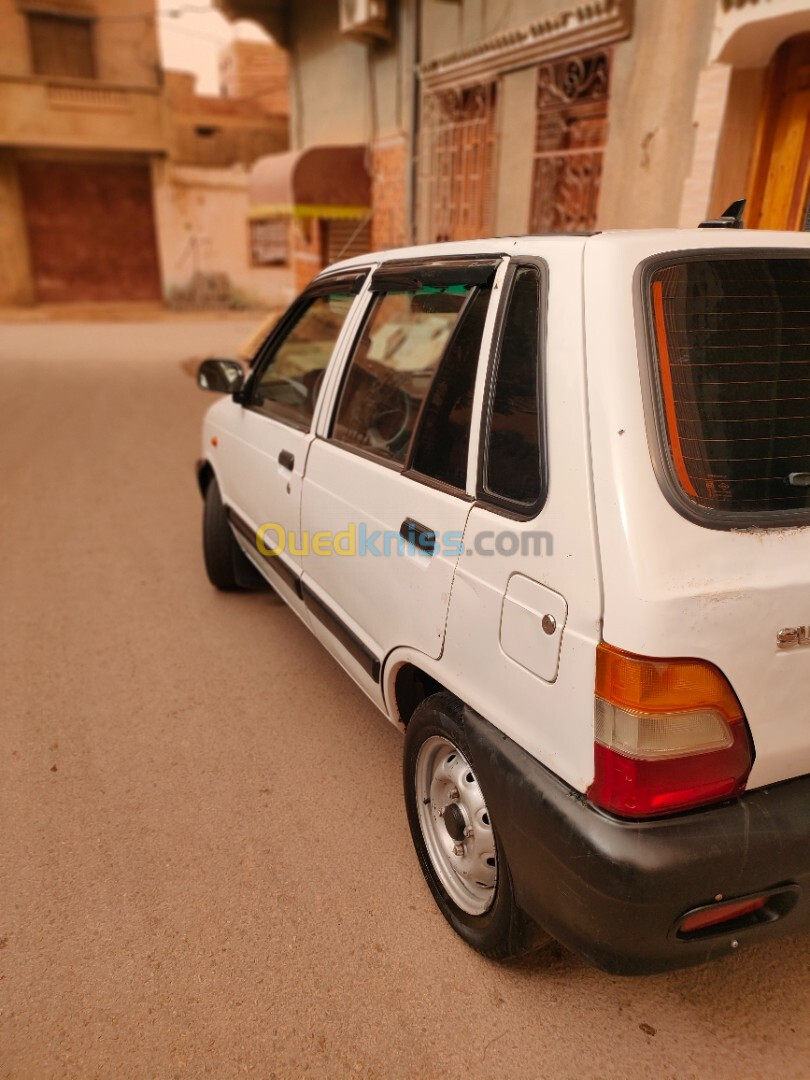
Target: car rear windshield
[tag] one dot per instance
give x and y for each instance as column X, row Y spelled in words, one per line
column 732, row 337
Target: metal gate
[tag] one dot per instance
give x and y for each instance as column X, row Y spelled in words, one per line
column 457, row 150
column 570, row 137
column 91, row 231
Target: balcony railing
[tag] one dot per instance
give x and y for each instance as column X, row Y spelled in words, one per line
column 74, row 114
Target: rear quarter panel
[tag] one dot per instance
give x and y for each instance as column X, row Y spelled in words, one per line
column 551, row 717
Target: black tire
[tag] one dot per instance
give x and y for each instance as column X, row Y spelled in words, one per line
column 502, row 930
column 225, row 563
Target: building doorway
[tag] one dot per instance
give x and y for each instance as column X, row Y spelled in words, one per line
column 91, row 231
column 779, row 190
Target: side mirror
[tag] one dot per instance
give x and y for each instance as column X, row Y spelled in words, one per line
column 221, row 376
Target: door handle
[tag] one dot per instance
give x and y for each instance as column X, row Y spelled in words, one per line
column 420, row 536
column 286, row 460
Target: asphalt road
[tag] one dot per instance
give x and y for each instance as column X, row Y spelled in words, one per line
column 205, row 867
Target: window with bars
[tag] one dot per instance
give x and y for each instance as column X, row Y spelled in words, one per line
column 269, row 241
column 61, row 45
column 570, row 137
column 457, row 155
column 732, row 338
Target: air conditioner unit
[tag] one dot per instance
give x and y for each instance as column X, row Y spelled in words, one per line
column 366, row 20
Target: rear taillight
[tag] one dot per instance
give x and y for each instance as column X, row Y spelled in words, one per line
column 668, row 735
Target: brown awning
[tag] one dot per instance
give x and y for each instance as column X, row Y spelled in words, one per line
column 321, row 181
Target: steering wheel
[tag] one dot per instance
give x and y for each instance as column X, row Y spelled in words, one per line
column 390, row 418
column 313, row 381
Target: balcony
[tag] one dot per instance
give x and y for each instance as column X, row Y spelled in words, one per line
column 77, row 114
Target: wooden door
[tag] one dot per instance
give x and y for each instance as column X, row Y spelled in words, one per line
column 779, row 191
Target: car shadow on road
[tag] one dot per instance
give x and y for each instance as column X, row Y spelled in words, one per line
column 769, row 966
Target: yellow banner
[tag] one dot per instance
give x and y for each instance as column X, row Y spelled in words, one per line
column 298, row 210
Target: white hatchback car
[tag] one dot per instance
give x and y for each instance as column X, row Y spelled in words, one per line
column 547, row 500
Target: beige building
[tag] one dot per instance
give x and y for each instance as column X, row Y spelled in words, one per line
column 81, row 123
column 207, row 251
column 117, row 183
column 256, row 71
column 478, row 117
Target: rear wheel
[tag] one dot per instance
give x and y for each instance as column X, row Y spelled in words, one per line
column 225, row 563
column 454, row 835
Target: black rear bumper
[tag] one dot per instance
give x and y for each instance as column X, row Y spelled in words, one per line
column 616, row 890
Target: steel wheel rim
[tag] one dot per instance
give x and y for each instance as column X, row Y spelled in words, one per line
column 455, row 825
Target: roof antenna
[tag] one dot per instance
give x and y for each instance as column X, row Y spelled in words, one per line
column 729, row 219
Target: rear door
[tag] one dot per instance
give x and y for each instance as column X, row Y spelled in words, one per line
column 388, row 482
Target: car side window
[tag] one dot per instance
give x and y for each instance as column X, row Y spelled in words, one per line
column 289, row 375
column 443, row 439
column 391, row 370
column 513, row 476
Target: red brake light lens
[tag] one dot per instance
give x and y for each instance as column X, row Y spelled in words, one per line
column 721, row 913
column 669, row 735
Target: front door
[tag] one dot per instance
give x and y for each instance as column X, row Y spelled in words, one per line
column 270, row 436
column 780, row 186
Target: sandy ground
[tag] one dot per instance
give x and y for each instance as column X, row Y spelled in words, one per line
column 205, row 867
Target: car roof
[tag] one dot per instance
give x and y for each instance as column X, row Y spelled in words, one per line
column 656, row 240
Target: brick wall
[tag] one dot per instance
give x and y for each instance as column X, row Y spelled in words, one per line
column 389, row 193
column 259, row 71
column 217, row 131
column 306, row 251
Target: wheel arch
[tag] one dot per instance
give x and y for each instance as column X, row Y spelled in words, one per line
column 408, row 678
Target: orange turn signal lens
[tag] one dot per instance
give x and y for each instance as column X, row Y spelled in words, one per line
column 669, row 735
column 662, row 686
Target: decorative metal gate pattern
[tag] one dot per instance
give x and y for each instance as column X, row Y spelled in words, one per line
column 570, row 137
column 457, row 157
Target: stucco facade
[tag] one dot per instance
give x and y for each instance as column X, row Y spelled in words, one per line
column 116, row 178
column 96, row 103
column 203, row 229
column 549, row 114
column 201, row 198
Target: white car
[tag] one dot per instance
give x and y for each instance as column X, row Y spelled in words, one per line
column 547, row 500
